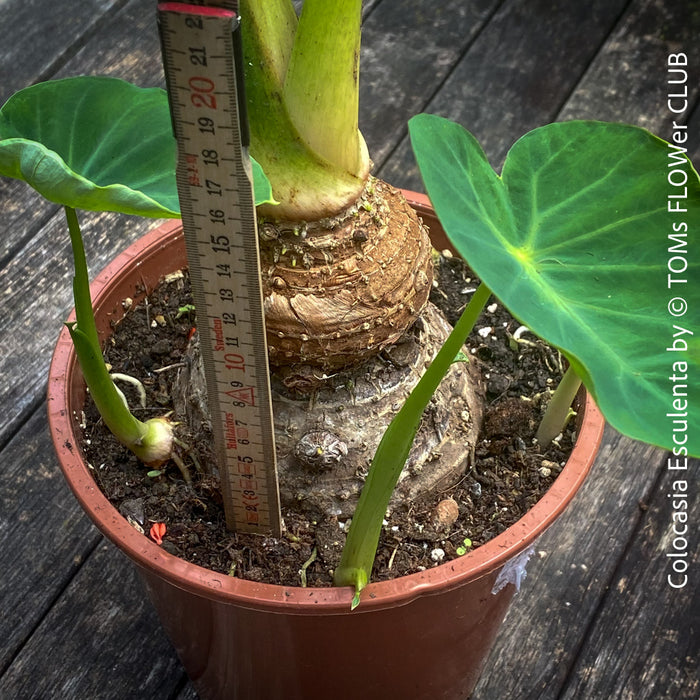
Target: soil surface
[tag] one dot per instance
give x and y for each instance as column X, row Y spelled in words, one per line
column 508, row 475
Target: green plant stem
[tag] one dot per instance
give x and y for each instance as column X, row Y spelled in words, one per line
column 287, row 105
column 149, row 441
column 557, row 412
column 361, row 544
column 81, row 281
column 322, row 96
column 117, row 417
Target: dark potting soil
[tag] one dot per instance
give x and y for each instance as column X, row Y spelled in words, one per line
column 509, row 473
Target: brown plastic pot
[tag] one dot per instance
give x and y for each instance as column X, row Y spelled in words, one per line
column 421, row 636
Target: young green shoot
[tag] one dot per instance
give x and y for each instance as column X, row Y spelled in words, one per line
column 363, row 537
column 464, row 547
column 150, row 441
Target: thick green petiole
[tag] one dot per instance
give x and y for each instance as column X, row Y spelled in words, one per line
column 151, row 441
column 303, row 111
column 322, row 97
column 361, row 545
column 557, row 412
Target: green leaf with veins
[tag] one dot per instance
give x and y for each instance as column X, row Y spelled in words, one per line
column 574, row 239
column 96, row 143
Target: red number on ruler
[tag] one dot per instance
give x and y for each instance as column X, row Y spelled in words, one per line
column 202, row 89
column 234, row 361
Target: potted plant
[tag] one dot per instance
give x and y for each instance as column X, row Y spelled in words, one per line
column 237, row 621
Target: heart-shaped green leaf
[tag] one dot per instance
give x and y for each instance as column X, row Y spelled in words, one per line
column 97, row 143
column 590, row 238
column 93, row 143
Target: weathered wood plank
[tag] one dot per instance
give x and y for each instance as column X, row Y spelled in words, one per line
column 408, row 48
column 645, row 643
column 188, row 693
column 627, row 81
column 539, row 633
column 573, row 564
column 515, row 75
column 22, row 213
column 110, row 640
column 44, row 534
column 49, row 32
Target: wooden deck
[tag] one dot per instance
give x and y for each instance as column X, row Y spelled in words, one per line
column 595, row 618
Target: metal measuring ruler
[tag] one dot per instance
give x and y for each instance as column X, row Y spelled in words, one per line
column 218, row 215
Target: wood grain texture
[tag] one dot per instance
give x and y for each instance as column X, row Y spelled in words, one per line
column 109, row 641
column 408, row 50
column 45, row 534
column 627, row 80
column 595, row 617
column 516, row 75
column 123, row 44
column 49, row 35
column 640, row 605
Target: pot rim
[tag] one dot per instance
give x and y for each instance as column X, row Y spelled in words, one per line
column 277, row 598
